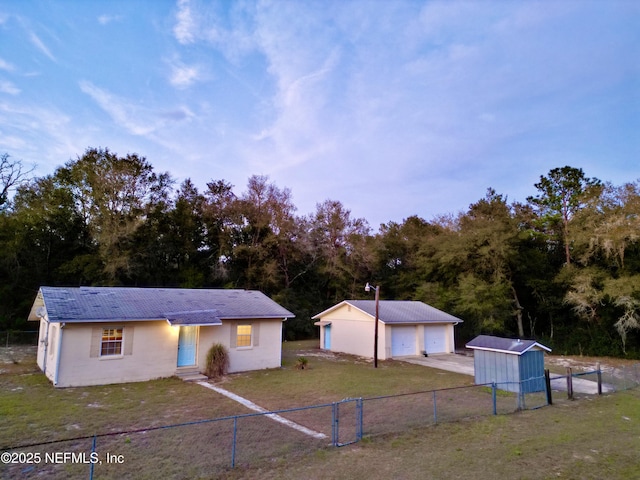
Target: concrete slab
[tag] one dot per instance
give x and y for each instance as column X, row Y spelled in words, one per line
column 447, row 361
column 464, row 365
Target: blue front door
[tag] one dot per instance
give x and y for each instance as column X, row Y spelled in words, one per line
column 187, row 346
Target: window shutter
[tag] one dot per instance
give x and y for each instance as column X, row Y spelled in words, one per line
column 255, row 332
column 128, row 340
column 96, row 340
column 233, row 342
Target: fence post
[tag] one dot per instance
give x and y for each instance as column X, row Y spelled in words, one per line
column 494, row 397
column 334, row 423
column 520, row 405
column 599, row 372
column 359, row 404
column 569, row 383
column 93, row 450
column 547, row 384
column 435, row 408
column 233, row 445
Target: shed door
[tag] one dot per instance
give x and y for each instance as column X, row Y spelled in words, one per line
column 187, row 346
column 327, row 337
column 435, row 339
column 403, row 341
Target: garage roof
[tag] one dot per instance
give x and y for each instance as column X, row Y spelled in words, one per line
column 397, row 311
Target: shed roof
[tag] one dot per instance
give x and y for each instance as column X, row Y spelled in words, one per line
column 505, row 345
column 176, row 305
column 397, row 311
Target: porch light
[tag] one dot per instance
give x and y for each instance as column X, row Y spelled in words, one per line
column 367, row 288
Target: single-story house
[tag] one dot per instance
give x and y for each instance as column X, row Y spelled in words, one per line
column 103, row 335
column 405, row 328
column 514, row 365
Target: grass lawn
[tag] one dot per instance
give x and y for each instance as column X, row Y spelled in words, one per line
column 598, row 439
column 594, row 438
column 333, row 377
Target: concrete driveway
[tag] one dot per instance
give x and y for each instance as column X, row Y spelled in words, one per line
column 464, row 364
column 446, row 361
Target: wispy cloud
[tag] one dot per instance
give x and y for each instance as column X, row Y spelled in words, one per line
column 23, row 126
column 184, row 29
column 182, row 76
column 123, row 112
column 4, row 65
column 106, row 19
column 407, row 94
column 41, row 46
column 135, row 119
column 8, row 87
column 204, row 24
column 399, row 106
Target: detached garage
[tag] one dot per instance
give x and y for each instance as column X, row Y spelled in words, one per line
column 405, row 328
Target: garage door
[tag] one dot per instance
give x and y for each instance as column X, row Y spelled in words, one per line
column 435, row 339
column 403, row 341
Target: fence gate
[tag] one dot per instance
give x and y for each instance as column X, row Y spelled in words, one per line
column 347, row 421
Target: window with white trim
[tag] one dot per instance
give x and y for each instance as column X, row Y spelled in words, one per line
column 111, row 343
column 243, row 338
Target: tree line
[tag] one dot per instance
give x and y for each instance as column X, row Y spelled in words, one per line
column 563, row 268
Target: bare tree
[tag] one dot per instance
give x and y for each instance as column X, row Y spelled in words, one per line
column 12, row 175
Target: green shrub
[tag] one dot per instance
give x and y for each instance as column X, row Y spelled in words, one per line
column 302, row 363
column 217, row 361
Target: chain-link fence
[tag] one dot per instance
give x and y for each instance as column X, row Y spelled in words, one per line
column 598, row 381
column 11, row 338
column 621, row 378
column 209, row 448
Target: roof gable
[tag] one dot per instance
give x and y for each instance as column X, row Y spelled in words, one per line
column 397, row 311
column 178, row 306
column 505, row 345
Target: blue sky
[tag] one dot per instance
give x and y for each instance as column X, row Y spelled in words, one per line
column 395, row 108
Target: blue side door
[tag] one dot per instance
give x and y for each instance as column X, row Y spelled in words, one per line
column 187, row 346
column 327, row 337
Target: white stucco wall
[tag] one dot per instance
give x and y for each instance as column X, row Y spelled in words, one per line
column 150, row 351
column 266, row 351
column 153, row 354
column 352, row 331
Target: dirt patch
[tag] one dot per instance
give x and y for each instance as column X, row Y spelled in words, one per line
column 586, row 364
column 317, row 354
column 18, row 359
column 17, row 354
column 334, row 356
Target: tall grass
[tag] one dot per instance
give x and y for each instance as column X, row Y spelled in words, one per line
column 217, row 361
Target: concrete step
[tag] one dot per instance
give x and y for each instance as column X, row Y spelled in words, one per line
column 191, row 375
column 196, row 377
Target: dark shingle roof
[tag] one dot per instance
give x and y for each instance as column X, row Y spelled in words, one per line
column 400, row 311
column 179, row 306
column 506, row 345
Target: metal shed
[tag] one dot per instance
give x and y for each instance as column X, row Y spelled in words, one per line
column 515, row 365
